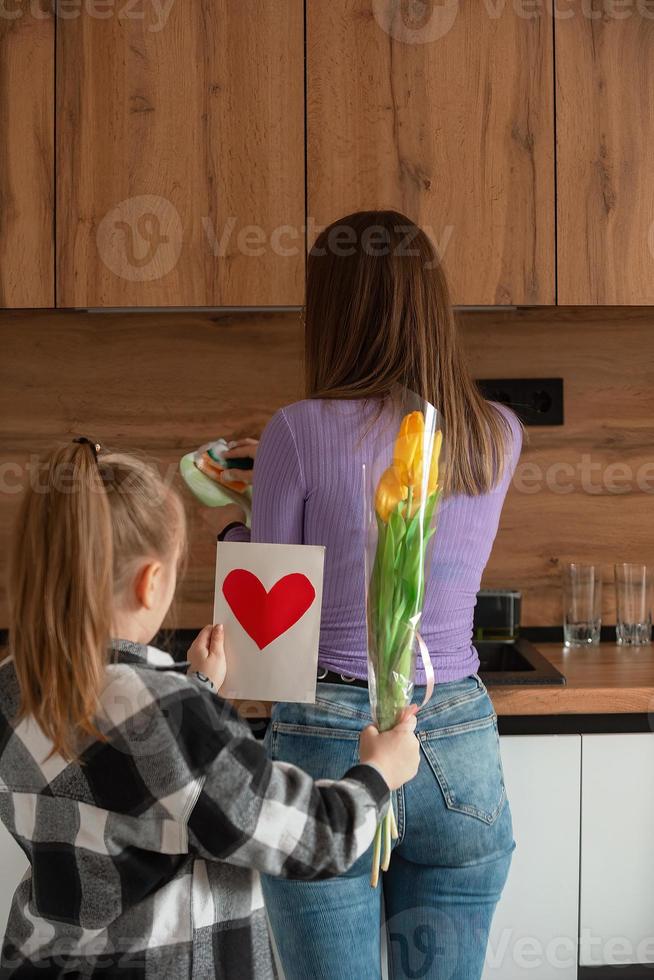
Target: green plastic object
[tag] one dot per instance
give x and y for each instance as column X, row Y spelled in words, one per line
column 210, row 493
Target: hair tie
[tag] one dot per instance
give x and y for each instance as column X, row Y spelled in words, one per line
column 95, row 446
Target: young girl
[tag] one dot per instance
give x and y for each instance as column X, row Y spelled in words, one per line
column 378, row 316
column 144, row 805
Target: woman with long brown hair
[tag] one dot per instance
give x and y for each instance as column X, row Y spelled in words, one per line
column 378, row 320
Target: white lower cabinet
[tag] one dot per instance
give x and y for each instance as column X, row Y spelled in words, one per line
column 617, row 850
column 536, row 924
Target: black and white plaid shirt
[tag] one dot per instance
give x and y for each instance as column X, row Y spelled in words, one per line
column 144, row 855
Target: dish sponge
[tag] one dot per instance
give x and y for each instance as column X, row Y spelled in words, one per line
column 202, row 472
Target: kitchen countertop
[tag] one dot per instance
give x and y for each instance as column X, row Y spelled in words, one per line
column 603, row 680
column 607, row 679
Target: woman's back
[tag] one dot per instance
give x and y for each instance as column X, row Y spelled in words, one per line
column 308, row 489
column 378, row 319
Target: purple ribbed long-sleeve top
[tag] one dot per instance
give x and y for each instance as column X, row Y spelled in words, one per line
column 308, row 490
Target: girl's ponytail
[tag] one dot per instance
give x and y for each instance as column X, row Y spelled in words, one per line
column 61, row 594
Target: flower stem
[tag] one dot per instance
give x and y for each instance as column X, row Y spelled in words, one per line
column 374, row 873
column 394, row 831
column 386, row 832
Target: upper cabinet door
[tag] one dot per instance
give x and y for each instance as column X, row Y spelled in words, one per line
column 446, row 114
column 180, row 154
column 26, row 155
column 605, row 154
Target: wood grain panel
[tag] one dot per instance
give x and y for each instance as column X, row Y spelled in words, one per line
column 605, row 154
column 165, row 383
column 456, row 132
column 583, row 491
column 181, row 155
column 26, row 155
column 162, row 384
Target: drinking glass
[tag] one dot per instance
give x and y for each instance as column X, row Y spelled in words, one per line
column 633, row 602
column 582, row 604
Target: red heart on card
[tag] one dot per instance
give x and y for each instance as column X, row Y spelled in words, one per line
column 266, row 615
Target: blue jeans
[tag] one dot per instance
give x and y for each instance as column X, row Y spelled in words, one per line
column 448, row 866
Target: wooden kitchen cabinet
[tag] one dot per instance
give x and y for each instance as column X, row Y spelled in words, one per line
column 180, row 155
column 617, row 850
column 26, row 155
column 534, row 932
column 447, row 116
column 605, row 154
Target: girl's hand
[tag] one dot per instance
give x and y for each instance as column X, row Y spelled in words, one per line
column 395, row 753
column 206, row 654
column 240, row 449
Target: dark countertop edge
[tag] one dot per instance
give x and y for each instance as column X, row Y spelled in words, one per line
column 576, row 724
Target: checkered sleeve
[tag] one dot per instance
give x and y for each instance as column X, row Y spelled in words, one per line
column 274, row 817
column 193, row 757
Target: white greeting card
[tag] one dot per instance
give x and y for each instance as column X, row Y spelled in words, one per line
column 269, row 596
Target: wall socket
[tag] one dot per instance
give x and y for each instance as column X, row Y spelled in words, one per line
column 536, row 401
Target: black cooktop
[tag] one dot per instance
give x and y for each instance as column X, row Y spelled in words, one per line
column 518, row 662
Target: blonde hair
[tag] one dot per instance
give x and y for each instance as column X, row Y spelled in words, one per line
column 85, row 522
column 378, row 315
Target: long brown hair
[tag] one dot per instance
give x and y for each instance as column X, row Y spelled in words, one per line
column 378, row 315
column 83, row 525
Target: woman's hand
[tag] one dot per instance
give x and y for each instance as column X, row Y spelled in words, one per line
column 217, row 518
column 240, row 449
column 206, row 654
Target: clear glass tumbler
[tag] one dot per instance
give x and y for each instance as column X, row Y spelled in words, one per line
column 582, row 604
column 633, row 604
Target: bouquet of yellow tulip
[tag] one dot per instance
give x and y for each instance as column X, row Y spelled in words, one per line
column 401, row 511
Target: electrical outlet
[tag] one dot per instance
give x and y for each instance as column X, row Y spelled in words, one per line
column 536, row 401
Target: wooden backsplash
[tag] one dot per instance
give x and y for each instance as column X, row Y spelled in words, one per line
column 164, row 383
column 583, row 491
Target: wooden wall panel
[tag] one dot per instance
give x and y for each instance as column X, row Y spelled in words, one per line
column 180, row 155
column 165, row 383
column 605, row 154
column 26, row 154
column 447, row 117
column 585, row 490
column 160, row 383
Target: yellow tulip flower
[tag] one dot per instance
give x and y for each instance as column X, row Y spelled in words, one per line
column 408, row 445
column 432, row 486
column 392, row 488
column 407, row 468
